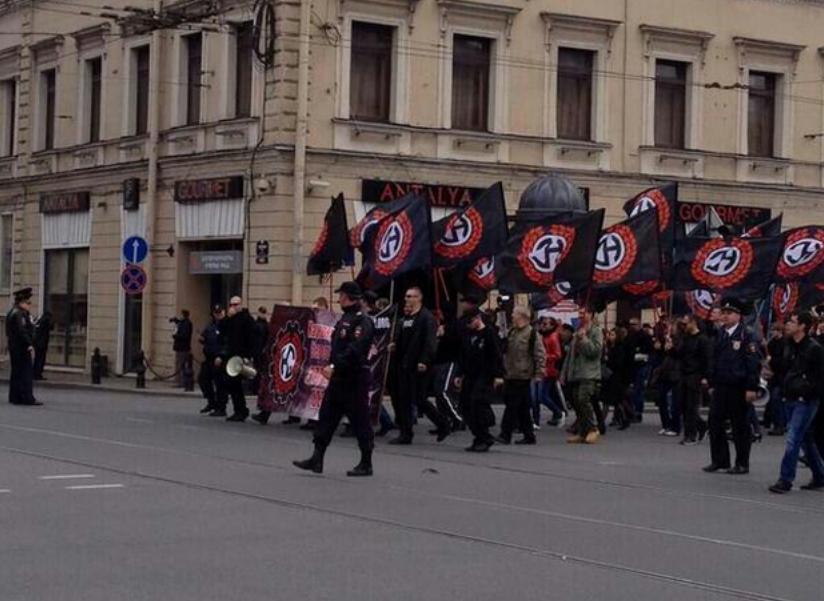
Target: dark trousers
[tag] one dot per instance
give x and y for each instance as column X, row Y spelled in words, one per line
column 516, row 413
column 410, row 396
column 476, row 408
column 345, row 397
column 40, row 360
column 234, row 387
column 20, row 380
column 728, row 403
column 441, row 387
column 688, row 393
column 210, row 379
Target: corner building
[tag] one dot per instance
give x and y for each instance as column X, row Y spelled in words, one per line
column 116, row 124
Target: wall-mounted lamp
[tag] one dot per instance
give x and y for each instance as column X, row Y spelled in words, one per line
column 317, row 183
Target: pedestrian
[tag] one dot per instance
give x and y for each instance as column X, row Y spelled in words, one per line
column 582, row 370
column 640, row 344
column 524, row 363
column 480, row 367
column 736, row 371
column 694, row 352
column 42, row 333
column 20, row 341
column 239, row 329
column 181, row 342
column 665, row 375
column 774, row 415
column 261, row 347
column 413, row 355
column 803, row 386
column 620, row 364
column 347, row 392
column 212, row 378
column 548, row 393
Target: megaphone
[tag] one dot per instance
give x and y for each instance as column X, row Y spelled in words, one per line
column 762, row 395
column 237, row 366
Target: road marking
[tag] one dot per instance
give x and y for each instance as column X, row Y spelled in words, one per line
column 93, row 486
column 66, row 477
column 139, row 420
column 4, row 490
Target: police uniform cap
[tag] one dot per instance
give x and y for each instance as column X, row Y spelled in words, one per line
column 733, row 305
column 350, row 289
column 23, row 294
column 217, row 308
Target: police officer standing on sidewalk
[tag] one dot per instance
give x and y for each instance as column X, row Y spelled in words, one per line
column 347, row 392
column 20, row 338
column 734, row 383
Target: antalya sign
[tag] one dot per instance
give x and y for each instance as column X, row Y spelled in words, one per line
column 379, row 191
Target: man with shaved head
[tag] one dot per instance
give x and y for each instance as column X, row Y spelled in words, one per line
column 239, row 328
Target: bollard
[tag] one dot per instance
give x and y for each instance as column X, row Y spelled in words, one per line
column 97, row 366
column 140, row 370
column 188, row 374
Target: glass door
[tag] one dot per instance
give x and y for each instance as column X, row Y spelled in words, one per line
column 66, row 296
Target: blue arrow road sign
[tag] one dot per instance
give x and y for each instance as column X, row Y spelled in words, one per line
column 135, row 249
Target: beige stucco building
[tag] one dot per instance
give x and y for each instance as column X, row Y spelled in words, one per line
column 228, row 149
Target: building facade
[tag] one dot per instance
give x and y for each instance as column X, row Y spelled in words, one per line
column 218, row 130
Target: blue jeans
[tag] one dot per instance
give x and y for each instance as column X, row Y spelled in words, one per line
column 639, row 384
column 545, row 393
column 800, row 417
column 669, row 407
column 774, row 411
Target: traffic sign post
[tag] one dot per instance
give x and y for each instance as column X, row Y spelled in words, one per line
column 135, row 250
column 133, row 279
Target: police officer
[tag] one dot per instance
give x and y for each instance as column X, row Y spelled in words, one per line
column 347, row 393
column 210, row 379
column 734, row 382
column 20, row 337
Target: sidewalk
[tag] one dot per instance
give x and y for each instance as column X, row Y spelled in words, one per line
column 116, row 384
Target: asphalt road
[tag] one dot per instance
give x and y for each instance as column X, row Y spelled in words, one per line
column 115, row 497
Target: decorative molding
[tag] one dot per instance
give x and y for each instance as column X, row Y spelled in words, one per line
column 48, row 50
column 604, row 28
column 409, row 6
column 780, row 50
column 10, row 61
column 700, row 40
column 502, row 13
column 92, row 37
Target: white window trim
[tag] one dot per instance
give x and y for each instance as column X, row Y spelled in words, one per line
column 399, row 100
column 7, row 291
column 180, row 75
column 39, row 121
column 578, row 33
column 684, row 46
column 130, row 89
column 228, row 49
column 84, row 96
column 769, row 57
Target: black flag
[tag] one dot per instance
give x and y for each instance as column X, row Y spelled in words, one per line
column 802, row 254
column 628, row 252
column 794, row 296
column 541, row 254
column 477, row 278
column 360, row 234
column 478, row 230
column 331, row 250
column 401, row 242
column 664, row 201
column 736, row 266
column 771, row 227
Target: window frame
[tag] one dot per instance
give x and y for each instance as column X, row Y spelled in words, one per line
column 46, row 128
column 3, row 215
column 670, row 84
column 590, row 137
column 773, row 95
column 192, row 103
column 386, row 117
column 129, row 123
column 235, row 62
column 10, row 88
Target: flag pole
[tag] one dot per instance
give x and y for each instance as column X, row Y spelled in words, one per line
column 391, row 340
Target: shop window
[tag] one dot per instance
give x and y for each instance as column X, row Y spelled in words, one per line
column 194, row 71
column 761, row 114
column 48, row 80
column 670, row 103
column 575, row 94
column 66, row 297
column 244, row 38
column 6, row 251
column 8, row 98
column 370, row 80
column 141, row 90
column 470, row 83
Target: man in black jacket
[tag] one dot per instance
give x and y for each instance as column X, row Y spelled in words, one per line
column 239, row 327
column 212, row 378
column 414, row 353
column 693, row 351
column 803, row 387
column 182, row 342
column 42, row 333
column 20, row 339
column 774, row 415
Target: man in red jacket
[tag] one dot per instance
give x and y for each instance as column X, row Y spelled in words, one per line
column 548, row 393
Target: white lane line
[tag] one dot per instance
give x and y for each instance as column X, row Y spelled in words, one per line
column 93, row 486
column 66, row 477
column 4, row 490
column 139, row 420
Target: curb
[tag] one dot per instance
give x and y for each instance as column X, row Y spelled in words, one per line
column 57, row 384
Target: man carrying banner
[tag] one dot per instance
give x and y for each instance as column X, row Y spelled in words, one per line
column 734, row 383
column 346, row 394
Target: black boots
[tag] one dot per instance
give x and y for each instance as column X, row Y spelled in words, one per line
column 364, row 468
column 314, row 463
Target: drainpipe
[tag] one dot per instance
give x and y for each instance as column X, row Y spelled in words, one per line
column 299, row 175
column 147, row 317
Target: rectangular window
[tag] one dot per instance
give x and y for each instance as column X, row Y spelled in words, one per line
column 6, row 250
column 66, row 297
column 8, row 96
column 48, row 79
column 370, row 79
column 574, row 117
column 243, row 69
column 761, row 114
column 470, row 83
column 670, row 103
column 194, row 70
column 141, row 80
column 94, row 71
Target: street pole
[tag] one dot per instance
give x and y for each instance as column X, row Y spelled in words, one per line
column 299, row 175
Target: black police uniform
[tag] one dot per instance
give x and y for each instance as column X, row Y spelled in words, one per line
column 347, row 392
column 212, row 378
column 736, row 370
column 20, row 338
column 479, row 363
